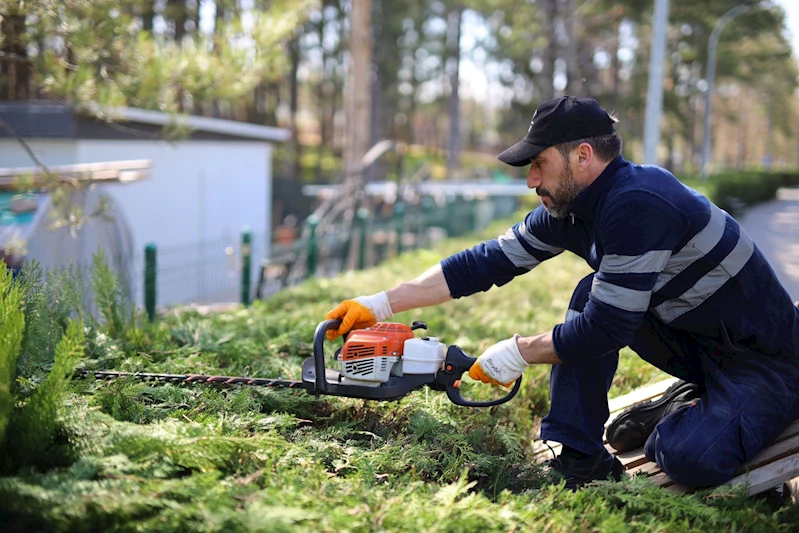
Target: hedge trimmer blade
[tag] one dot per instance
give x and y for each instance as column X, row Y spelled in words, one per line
column 367, row 357
column 193, row 378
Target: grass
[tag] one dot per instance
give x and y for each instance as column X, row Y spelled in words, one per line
column 132, row 456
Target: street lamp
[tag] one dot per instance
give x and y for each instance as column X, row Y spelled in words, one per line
column 711, row 73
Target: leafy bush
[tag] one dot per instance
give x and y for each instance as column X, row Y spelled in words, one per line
column 34, row 425
column 39, row 349
column 12, row 327
column 733, row 191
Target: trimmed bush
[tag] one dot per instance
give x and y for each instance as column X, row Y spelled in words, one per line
column 735, row 190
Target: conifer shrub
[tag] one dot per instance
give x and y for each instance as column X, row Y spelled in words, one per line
column 34, row 424
column 170, row 457
column 12, row 328
column 40, row 347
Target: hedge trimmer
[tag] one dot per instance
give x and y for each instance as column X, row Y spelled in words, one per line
column 383, row 362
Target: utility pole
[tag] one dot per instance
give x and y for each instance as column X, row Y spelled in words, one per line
column 711, row 74
column 654, row 93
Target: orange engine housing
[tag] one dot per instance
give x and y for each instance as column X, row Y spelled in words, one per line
column 384, row 339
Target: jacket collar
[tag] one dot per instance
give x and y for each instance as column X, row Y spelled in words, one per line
column 586, row 203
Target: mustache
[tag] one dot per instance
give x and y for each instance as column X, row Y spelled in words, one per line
column 540, row 191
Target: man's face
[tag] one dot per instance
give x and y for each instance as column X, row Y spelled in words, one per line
column 552, row 178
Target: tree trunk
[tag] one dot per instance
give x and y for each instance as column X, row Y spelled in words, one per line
column 453, row 68
column 195, row 16
column 358, row 92
column 15, row 69
column 148, row 14
column 177, row 12
column 614, row 63
column 219, row 20
column 322, row 101
column 550, row 53
column 574, row 75
column 377, row 125
column 768, row 155
column 743, row 130
column 294, row 56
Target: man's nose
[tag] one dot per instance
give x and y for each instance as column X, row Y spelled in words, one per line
column 533, row 178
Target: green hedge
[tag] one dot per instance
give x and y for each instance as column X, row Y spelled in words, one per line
column 735, row 190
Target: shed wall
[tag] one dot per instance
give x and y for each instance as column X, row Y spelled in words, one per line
column 198, row 192
column 50, row 152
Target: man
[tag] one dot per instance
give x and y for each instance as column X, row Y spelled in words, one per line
column 676, row 279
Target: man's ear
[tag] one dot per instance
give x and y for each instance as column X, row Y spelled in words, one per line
column 585, row 155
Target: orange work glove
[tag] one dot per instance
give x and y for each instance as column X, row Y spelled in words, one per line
column 501, row 364
column 362, row 312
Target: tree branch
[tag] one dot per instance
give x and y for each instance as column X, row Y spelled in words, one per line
column 6, row 126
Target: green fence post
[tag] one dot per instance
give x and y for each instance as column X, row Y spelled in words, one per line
column 150, row 279
column 453, row 228
column 362, row 215
column 427, row 217
column 399, row 220
column 313, row 222
column 246, row 266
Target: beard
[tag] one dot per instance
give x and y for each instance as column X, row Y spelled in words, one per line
column 562, row 197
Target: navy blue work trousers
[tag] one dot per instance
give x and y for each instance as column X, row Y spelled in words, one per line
column 750, row 398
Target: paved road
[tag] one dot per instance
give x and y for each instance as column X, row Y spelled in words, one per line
column 774, row 226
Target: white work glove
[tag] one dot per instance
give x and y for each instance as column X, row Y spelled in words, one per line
column 501, row 364
column 359, row 313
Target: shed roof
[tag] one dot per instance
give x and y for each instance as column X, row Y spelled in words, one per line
column 44, row 119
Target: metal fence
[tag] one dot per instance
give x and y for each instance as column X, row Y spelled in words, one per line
column 373, row 238
column 209, row 272
column 243, row 267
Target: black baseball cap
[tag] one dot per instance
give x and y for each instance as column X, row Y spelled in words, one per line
column 557, row 121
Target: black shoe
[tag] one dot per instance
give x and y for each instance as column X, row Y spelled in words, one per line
column 578, row 472
column 631, row 428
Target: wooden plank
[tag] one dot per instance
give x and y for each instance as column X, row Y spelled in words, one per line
column 632, row 458
column 789, row 432
column 648, row 468
column 662, row 480
column 762, row 472
column 771, row 454
column 770, row 475
column 777, row 463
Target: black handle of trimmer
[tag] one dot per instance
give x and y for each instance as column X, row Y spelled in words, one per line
column 319, row 351
column 455, row 364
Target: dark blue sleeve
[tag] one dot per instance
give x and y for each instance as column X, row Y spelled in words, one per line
column 638, row 232
column 496, row 262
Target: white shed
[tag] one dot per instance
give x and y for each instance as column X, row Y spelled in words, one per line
column 203, row 190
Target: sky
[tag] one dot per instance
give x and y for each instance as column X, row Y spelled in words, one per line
column 481, row 88
column 791, row 7
column 478, row 82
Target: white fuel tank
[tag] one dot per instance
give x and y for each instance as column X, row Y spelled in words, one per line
column 423, row 355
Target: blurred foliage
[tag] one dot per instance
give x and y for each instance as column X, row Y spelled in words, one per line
column 284, row 63
column 92, row 53
column 734, row 191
